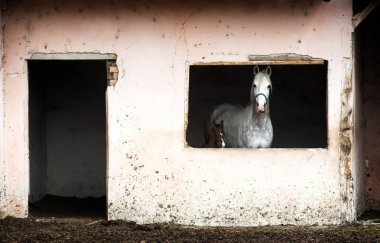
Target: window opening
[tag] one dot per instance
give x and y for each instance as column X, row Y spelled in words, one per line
column 298, row 102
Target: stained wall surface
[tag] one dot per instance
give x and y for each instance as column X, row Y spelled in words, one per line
column 153, row 175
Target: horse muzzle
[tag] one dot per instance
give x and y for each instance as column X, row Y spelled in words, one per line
column 260, row 109
column 261, row 101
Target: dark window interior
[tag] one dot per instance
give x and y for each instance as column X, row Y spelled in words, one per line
column 298, row 104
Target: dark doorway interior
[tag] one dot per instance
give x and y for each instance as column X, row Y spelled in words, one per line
column 298, row 104
column 367, row 39
column 67, row 132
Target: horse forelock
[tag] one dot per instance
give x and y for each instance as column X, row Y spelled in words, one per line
column 261, row 78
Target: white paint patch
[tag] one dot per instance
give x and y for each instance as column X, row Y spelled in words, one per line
column 12, row 75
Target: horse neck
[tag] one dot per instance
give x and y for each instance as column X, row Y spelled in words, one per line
column 258, row 118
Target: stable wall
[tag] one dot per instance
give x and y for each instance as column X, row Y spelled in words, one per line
column 153, row 175
column 2, row 169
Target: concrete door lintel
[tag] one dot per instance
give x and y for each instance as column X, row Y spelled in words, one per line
column 74, row 56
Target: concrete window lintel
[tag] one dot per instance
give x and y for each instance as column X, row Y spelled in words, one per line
column 73, row 56
column 285, row 58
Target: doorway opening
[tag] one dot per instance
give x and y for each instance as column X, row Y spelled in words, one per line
column 367, row 37
column 67, row 137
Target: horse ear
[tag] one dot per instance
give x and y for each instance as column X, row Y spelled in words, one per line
column 256, row 70
column 268, row 70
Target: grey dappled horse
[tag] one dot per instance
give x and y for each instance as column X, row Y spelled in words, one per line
column 250, row 126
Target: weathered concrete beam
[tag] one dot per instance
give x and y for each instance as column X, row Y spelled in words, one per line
column 284, row 59
column 359, row 17
column 73, row 56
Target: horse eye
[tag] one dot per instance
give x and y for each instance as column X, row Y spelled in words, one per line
column 269, row 87
column 254, row 85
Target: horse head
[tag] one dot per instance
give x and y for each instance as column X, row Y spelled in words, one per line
column 261, row 89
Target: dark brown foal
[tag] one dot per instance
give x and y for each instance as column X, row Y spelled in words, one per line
column 216, row 137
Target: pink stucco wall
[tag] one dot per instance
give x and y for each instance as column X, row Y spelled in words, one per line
column 153, row 176
column 2, row 174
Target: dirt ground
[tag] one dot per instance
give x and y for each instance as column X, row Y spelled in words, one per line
column 89, row 229
column 60, row 219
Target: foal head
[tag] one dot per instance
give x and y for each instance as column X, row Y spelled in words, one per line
column 216, row 138
column 218, row 130
column 261, row 88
